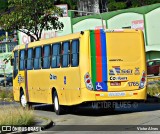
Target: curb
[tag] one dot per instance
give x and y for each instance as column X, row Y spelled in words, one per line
column 48, row 124
column 41, row 122
column 153, row 100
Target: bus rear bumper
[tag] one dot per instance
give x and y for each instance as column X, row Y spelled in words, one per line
column 139, row 94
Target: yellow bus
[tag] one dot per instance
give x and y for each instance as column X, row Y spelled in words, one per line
column 89, row 66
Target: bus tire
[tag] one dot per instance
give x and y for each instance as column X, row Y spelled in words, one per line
column 57, row 108
column 24, row 102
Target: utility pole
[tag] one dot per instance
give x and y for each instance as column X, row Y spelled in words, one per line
column 5, row 82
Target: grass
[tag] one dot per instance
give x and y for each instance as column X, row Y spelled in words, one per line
column 6, row 93
column 153, row 89
column 11, row 115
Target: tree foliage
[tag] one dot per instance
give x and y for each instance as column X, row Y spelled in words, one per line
column 31, row 17
column 138, row 3
column 133, row 3
column 113, row 5
column 3, row 5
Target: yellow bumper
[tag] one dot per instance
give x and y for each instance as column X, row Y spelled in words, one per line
column 87, row 95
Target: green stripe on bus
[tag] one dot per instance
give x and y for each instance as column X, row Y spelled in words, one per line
column 93, row 57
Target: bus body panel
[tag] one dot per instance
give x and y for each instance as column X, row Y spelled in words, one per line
column 129, row 57
column 16, row 89
column 40, row 84
column 120, row 68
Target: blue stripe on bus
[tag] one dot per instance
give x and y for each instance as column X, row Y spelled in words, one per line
column 104, row 59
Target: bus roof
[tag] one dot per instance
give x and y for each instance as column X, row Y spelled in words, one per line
column 48, row 41
column 66, row 37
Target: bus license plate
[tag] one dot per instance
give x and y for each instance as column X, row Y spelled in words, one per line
column 115, row 83
column 117, row 94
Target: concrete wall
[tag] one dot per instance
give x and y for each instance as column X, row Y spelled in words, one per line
column 124, row 20
column 153, row 27
column 88, row 24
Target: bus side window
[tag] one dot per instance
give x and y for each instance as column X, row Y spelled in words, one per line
column 37, row 58
column 55, row 62
column 75, row 53
column 15, row 65
column 22, row 60
column 65, row 54
column 30, row 59
column 46, row 56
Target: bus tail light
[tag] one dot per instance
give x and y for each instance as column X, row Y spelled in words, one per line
column 142, row 81
column 88, row 81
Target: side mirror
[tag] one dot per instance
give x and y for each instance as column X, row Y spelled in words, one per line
column 12, row 62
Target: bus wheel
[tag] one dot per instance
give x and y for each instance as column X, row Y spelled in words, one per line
column 57, row 108
column 24, row 102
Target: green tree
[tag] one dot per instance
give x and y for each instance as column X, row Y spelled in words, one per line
column 137, row 3
column 113, row 5
column 123, row 4
column 31, row 17
column 3, row 5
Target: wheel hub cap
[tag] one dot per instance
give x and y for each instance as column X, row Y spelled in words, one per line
column 23, row 101
column 56, row 103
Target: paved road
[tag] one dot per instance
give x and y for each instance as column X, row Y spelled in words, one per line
column 2, row 103
column 141, row 114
